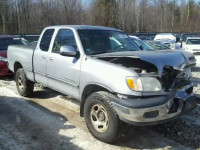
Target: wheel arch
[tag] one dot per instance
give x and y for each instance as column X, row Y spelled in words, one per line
column 88, row 90
column 17, row 65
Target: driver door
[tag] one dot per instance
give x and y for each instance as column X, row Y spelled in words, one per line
column 62, row 71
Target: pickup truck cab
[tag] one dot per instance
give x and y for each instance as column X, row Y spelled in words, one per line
column 104, row 69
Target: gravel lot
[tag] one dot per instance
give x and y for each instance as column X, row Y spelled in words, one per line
column 50, row 120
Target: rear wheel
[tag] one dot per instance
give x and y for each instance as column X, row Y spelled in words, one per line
column 101, row 118
column 24, row 86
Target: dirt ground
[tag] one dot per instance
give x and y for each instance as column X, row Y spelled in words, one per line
column 50, row 120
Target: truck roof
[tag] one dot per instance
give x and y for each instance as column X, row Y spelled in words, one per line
column 89, row 27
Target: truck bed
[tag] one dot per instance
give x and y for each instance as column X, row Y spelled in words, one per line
column 22, row 54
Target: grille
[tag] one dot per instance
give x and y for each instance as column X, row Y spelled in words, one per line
column 168, row 44
column 191, row 58
column 196, row 53
column 196, row 49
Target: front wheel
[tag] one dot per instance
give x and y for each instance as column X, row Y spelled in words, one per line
column 24, row 86
column 101, row 118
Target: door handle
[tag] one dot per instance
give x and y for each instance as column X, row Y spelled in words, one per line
column 51, row 59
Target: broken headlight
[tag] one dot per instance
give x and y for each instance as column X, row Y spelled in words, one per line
column 146, row 84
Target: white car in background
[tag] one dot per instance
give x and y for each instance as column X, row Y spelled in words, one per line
column 166, row 38
column 192, row 45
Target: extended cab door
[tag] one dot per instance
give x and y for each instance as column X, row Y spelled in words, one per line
column 63, row 72
column 41, row 57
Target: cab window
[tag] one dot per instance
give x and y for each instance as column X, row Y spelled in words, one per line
column 64, row 37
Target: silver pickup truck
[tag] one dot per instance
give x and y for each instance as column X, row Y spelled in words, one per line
column 114, row 80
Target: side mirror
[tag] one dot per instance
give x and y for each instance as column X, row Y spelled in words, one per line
column 67, row 50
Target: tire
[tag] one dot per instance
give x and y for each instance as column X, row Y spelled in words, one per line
column 95, row 105
column 24, row 86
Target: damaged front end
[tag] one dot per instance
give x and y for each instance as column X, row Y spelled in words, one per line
column 157, row 105
column 177, row 83
column 170, row 78
column 173, row 79
column 169, row 68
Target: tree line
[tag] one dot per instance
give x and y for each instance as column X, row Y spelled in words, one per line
column 31, row 16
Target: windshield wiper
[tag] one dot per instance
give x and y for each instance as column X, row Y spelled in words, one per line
column 96, row 53
column 102, row 52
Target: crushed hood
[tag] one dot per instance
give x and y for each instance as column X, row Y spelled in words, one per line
column 158, row 58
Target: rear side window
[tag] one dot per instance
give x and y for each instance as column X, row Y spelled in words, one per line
column 46, row 39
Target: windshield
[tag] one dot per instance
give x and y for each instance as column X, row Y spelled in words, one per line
column 143, row 45
column 106, row 41
column 4, row 43
column 193, row 41
column 185, row 36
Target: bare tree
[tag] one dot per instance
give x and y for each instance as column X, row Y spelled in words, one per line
column 31, row 16
column 3, row 7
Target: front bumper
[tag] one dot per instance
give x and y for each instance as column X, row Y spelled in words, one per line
column 155, row 110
